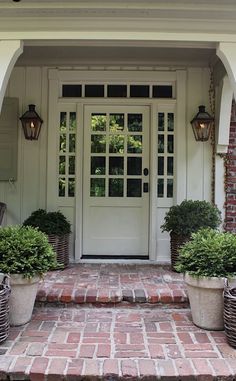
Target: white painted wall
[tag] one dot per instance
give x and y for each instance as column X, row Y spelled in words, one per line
column 28, row 193
column 30, row 85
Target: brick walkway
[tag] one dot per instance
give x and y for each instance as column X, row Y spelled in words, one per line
column 115, row 344
column 114, row 322
column 113, row 283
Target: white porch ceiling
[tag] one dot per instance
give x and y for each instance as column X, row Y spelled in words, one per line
column 116, row 55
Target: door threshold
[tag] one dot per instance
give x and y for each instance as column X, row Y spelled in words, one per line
column 117, row 258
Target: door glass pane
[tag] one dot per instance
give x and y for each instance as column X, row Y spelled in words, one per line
column 72, row 121
column 160, row 188
column 160, row 166
column 134, row 188
column 170, row 144
column 97, row 187
column 116, row 187
column 116, row 122
column 139, row 91
column 134, row 166
column 94, row 91
column 161, row 121
column 162, row 91
column 62, row 187
column 98, row 143
column 134, row 144
column 170, row 166
column 116, row 166
column 135, row 122
column 72, row 143
column 116, row 144
column 98, row 165
column 71, row 165
column 169, row 188
column 98, row 122
column 161, row 146
column 62, row 165
column 62, row 147
column 72, row 91
column 116, row 91
column 71, row 187
column 63, row 122
column 170, row 121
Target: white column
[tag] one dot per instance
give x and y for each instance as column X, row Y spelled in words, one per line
column 219, row 185
column 225, row 106
column 10, row 50
column 226, row 51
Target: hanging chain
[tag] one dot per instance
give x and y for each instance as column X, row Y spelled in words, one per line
column 212, row 102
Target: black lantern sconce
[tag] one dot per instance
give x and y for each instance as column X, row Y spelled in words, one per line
column 202, row 124
column 31, row 123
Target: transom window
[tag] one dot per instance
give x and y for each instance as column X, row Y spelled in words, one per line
column 117, row 91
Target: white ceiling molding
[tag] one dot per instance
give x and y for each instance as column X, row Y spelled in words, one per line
column 139, row 4
column 136, row 20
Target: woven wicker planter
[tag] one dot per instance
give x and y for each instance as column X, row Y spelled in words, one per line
column 176, row 242
column 4, row 309
column 61, row 246
column 230, row 314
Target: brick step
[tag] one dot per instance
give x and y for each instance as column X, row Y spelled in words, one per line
column 113, row 284
column 71, row 344
column 57, row 369
column 110, row 297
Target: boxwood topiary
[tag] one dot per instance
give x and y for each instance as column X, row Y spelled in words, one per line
column 190, row 216
column 49, row 222
column 25, row 250
column 209, row 253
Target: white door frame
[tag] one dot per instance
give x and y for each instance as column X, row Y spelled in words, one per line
column 152, row 104
column 57, row 77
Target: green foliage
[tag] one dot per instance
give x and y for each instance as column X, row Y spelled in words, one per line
column 48, row 222
column 25, row 250
column 209, row 253
column 190, row 216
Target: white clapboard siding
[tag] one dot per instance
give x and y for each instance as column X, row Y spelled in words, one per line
column 29, row 191
column 198, row 153
column 8, row 139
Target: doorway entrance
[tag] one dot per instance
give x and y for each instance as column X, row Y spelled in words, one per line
column 116, row 181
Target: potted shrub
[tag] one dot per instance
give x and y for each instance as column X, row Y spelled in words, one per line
column 206, row 260
column 25, row 255
column 57, row 228
column 184, row 219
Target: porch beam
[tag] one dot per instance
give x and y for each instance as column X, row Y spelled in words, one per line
column 9, row 53
column 225, row 106
column 226, row 51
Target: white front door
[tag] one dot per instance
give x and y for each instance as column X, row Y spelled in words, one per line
column 116, row 181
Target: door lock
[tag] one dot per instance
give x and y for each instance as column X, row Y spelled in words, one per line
column 145, row 172
column 145, row 187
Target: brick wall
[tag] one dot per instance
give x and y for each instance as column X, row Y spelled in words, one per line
column 230, row 176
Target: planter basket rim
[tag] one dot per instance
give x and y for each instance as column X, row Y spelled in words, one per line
column 204, row 281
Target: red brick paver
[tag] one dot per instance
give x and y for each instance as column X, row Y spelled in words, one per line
column 115, row 344
column 113, row 283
